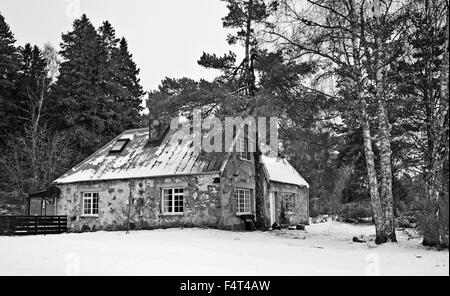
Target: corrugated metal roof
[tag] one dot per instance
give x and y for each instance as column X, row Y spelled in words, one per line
column 139, row 160
column 280, row 170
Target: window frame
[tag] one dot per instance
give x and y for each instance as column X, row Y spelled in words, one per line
column 126, row 141
column 92, row 195
column 244, row 154
column 245, row 204
column 173, row 202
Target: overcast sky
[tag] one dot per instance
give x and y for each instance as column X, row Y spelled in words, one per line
column 166, row 37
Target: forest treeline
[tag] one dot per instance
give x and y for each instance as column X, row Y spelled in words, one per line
column 360, row 89
column 59, row 107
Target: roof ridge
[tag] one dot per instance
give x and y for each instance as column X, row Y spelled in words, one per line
column 134, row 130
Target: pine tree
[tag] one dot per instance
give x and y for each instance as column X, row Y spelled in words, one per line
column 420, row 88
column 9, row 66
column 128, row 78
column 78, row 94
column 122, row 86
column 109, row 103
column 32, row 78
column 244, row 16
column 235, row 92
column 108, row 39
column 98, row 91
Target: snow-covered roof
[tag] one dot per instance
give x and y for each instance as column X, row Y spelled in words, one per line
column 280, row 170
column 139, row 160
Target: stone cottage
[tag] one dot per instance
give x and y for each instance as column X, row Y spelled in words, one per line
column 143, row 181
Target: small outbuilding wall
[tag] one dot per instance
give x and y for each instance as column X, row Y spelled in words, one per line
column 287, row 204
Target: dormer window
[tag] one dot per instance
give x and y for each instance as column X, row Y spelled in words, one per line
column 119, row 146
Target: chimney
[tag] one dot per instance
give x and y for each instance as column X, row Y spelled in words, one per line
column 158, row 128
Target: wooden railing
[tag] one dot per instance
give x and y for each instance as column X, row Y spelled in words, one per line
column 32, row 225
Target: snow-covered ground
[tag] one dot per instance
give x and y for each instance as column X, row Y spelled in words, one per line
column 324, row 249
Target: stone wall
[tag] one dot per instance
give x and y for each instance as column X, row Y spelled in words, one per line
column 237, row 174
column 202, row 203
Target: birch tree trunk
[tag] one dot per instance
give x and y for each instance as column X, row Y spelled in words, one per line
column 35, row 129
column 376, row 203
column 37, row 98
column 375, row 200
column 434, row 231
column 387, row 200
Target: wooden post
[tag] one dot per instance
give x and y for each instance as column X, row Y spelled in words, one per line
column 12, row 225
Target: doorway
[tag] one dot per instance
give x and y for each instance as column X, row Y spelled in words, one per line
column 273, row 208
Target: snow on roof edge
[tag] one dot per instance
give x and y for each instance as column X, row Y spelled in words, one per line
column 138, row 177
column 281, row 171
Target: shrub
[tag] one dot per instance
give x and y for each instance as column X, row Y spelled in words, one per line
column 356, row 211
column 12, row 203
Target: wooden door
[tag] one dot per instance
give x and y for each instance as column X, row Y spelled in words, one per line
column 48, row 208
column 35, row 206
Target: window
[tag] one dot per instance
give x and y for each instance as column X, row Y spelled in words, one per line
column 119, row 146
column 243, row 201
column 90, row 203
column 172, row 200
column 289, row 199
column 243, row 152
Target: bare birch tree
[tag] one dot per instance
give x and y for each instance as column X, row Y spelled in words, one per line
column 37, row 96
column 34, row 155
column 353, row 39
